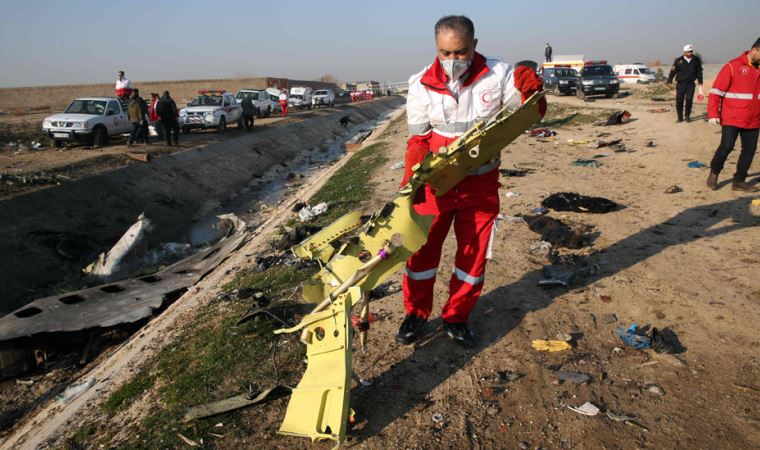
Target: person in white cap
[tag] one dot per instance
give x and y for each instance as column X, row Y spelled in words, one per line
column 686, row 69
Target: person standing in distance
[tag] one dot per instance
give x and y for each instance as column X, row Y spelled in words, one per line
column 686, row 69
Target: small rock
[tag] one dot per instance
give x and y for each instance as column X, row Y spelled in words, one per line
column 492, row 410
column 654, row 389
column 524, row 445
column 673, row 189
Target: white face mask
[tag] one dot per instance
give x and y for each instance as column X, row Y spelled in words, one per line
column 455, row 68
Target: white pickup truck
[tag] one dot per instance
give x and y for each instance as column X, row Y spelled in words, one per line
column 91, row 120
column 213, row 108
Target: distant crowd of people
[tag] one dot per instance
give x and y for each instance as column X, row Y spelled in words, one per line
column 357, row 95
column 161, row 113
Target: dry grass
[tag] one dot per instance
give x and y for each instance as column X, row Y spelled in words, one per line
column 43, row 99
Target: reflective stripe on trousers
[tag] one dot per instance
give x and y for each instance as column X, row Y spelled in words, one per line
column 423, row 275
column 467, row 278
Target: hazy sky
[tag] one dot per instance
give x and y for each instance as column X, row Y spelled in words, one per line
column 81, row 41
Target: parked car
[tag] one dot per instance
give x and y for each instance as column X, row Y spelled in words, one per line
column 213, row 108
column 323, row 97
column 91, row 120
column 560, row 81
column 274, row 96
column 597, row 78
column 636, row 73
column 260, row 99
column 300, row 97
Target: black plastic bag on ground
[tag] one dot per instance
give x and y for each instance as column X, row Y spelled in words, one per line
column 570, row 201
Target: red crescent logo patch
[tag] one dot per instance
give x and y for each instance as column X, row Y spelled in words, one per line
column 486, row 98
column 744, row 71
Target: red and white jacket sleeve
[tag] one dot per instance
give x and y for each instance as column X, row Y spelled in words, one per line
column 420, row 129
column 719, row 88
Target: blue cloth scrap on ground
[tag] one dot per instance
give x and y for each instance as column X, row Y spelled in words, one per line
column 631, row 339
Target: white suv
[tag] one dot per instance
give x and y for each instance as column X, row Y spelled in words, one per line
column 211, row 109
column 91, row 120
column 323, row 97
column 260, row 98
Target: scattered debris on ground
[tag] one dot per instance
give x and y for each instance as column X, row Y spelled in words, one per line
column 550, row 345
column 557, row 232
column 38, row 179
column 122, row 302
column 541, row 133
column 618, row 118
column 234, row 403
column 587, row 409
column 570, row 201
column 515, row 172
column 581, row 162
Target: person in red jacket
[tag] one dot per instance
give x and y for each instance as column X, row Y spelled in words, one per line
column 734, row 103
column 153, row 117
column 460, row 87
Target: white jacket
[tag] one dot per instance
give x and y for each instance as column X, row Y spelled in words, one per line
column 123, row 84
column 431, row 107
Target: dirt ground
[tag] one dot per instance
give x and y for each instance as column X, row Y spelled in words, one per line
column 682, row 261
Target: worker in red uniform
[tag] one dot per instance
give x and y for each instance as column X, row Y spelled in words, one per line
column 460, row 87
column 123, row 86
column 734, row 103
column 284, row 102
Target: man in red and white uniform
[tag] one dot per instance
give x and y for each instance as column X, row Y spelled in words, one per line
column 123, row 86
column 284, row 102
column 734, row 103
column 444, row 100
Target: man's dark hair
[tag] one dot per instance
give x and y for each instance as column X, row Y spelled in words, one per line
column 457, row 23
column 166, row 93
column 756, row 44
column 121, row 72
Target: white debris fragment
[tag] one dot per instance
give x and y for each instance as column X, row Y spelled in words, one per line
column 398, row 165
column 308, row 212
column 75, row 390
column 588, row 409
column 109, row 263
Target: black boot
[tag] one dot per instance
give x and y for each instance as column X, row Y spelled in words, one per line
column 741, row 186
column 460, row 334
column 410, row 329
column 712, row 180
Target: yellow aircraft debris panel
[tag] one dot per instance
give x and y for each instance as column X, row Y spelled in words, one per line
column 318, row 408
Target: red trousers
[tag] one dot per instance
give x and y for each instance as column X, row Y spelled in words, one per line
column 284, row 107
column 472, row 206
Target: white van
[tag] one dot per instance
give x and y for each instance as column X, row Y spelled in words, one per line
column 636, row 73
column 260, row 99
column 300, row 97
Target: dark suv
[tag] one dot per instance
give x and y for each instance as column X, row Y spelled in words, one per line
column 597, row 79
column 560, row 80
